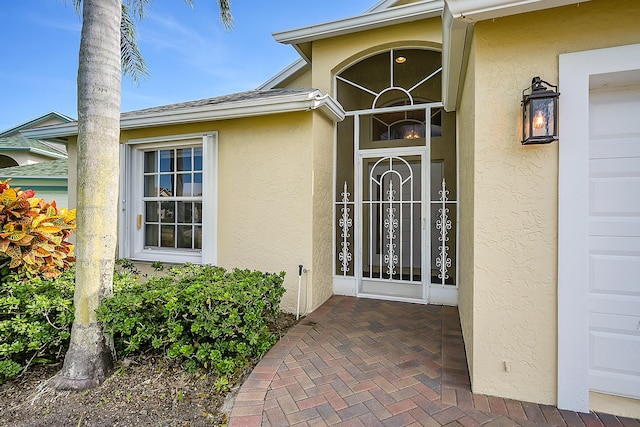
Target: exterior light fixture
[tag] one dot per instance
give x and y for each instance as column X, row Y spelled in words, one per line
column 401, row 60
column 540, row 113
column 412, row 134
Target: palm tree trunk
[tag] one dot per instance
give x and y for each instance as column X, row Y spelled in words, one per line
column 88, row 361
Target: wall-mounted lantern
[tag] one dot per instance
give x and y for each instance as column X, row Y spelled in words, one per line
column 540, row 112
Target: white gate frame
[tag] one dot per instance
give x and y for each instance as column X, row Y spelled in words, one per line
column 423, row 152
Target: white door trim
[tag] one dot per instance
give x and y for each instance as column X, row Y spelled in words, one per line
column 576, row 70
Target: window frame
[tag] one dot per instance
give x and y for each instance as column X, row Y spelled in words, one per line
column 132, row 202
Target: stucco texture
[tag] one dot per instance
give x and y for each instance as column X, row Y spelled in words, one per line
column 265, row 190
column 512, row 334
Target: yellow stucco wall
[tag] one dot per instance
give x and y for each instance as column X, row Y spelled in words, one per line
column 514, row 321
column 265, row 214
column 466, row 145
column 303, row 80
column 323, row 137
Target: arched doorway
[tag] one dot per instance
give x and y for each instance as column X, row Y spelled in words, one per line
column 396, row 180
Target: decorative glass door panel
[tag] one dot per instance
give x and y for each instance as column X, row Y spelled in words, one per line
column 392, row 232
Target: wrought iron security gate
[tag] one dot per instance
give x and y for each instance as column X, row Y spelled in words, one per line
column 392, row 214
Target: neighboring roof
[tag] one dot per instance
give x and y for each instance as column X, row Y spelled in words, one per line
column 52, row 115
column 301, row 38
column 57, row 169
column 43, row 148
column 233, row 106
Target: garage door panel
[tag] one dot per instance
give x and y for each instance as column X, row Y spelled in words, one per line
column 617, row 323
column 614, row 111
column 614, row 167
column 615, row 147
column 614, row 245
column 612, row 196
column 618, row 274
column 608, row 226
column 622, row 305
column 614, row 241
column 614, row 383
column 615, row 352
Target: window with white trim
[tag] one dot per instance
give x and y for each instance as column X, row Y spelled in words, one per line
column 170, row 199
column 173, row 198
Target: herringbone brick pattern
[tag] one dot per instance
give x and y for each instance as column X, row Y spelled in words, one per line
column 360, row 362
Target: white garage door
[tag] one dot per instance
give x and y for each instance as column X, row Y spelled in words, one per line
column 614, row 235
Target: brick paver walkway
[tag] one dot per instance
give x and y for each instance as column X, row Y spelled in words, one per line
column 362, row 362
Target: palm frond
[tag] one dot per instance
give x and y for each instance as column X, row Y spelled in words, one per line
column 137, row 6
column 133, row 63
column 225, row 14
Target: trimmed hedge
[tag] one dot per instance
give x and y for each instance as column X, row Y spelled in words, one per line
column 200, row 316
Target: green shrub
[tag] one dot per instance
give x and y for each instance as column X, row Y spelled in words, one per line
column 35, row 321
column 201, row 316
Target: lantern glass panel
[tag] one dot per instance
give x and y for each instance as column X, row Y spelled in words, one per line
column 542, row 114
column 526, row 125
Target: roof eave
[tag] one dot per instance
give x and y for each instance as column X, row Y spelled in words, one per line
column 458, row 19
column 35, row 121
column 480, row 10
column 377, row 19
column 232, row 110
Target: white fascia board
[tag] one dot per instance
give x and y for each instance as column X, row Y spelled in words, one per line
column 479, row 10
column 284, row 74
column 456, row 38
column 231, row 110
column 329, row 107
column 378, row 19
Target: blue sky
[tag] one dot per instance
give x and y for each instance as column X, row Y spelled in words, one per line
column 188, row 53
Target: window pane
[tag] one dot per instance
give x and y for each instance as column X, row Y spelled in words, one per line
column 185, row 212
column 197, row 159
column 151, row 235
column 184, row 159
column 197, row 243
column 185, row 236
column 166, row 160
column 183, row 184
column 168, row 212
column 168, row 236
column 197, row 213
column 151, row 212
column 170, row 174
column 150, row 161
column 150, row 187
column 197, row 184
column 166, row 185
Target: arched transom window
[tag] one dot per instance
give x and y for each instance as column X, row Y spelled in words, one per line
column 391, row 78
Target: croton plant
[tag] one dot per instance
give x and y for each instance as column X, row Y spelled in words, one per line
column 34, row 233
